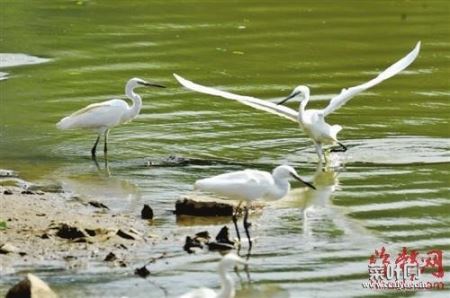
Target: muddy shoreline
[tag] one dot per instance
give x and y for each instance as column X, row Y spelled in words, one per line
column 44, row 227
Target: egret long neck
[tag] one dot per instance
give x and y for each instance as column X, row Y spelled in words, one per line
column 135, row 108
column 227, row 285
column 280, row 189
column 302, row 108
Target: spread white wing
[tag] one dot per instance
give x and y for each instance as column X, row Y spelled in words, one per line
column 346, row 94
column 253, row 102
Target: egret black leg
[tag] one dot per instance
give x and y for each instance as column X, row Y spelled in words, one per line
column 95, row 147
column 105, row 148
column 246, row 226
column 236, row 226
column 341, row 148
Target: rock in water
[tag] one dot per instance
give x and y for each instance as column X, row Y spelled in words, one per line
column 224, row 237
column 147, row 212
column 31, row 287
column 198, row 208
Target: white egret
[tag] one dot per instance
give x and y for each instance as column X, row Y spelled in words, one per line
column 227, row 289
column 101, row 117
column 250, row 185
column 312, row 121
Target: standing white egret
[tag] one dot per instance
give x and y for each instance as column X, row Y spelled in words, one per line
column 227, row 288
column 312, row 121
column 250, row 185
column 101, row 117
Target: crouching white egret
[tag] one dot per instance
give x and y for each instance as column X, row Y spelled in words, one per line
column 250, row 185
column 101, row 117
column 227, row 288
column 312, row 121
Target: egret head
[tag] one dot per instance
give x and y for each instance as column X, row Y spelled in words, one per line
column 300, row 91
column 286, row 172
column 230, row 260
column 137, row 82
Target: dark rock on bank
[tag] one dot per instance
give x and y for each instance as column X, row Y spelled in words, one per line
column 69, row 232
column 147, row 212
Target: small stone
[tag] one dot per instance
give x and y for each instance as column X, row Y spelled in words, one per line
column 191, row 243
column 224, row 236
column 204, row 234
column 147, row 212
column 27, row 192
column 142, row 272
column 97, row 204
column 45, row 236
column 122, row 264
column 110, row 257
column 68, row 232
column 31, row 287
column 131, row 235
column 90, row 232
column 7, row 192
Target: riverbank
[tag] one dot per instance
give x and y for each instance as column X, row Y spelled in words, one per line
column 43, row 227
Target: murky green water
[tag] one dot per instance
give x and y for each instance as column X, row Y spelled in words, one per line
column 392, row 189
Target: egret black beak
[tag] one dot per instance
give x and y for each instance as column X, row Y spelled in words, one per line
column 151, row 84
column 301, row 180
column 294, row 94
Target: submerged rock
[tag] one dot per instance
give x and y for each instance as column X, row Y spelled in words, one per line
column 198, row 208
column 179, row 161
column 31, row 287
column 147, row 212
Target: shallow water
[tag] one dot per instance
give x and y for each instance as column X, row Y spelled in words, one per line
column 390, row 189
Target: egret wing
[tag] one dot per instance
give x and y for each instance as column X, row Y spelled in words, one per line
column 346, row 94
column 253, row 102
column 103, row 114
column 248, row 184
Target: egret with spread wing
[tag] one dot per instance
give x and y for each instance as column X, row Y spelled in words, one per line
column 312, row 121
column 250, row 185
column 101, row 117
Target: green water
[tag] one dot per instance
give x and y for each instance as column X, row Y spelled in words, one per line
column 391, row 188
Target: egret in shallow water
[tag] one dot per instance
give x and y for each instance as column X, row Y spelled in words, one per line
column 312, row 121
column 227, row 288
column 101, row 117
column 250, row 185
